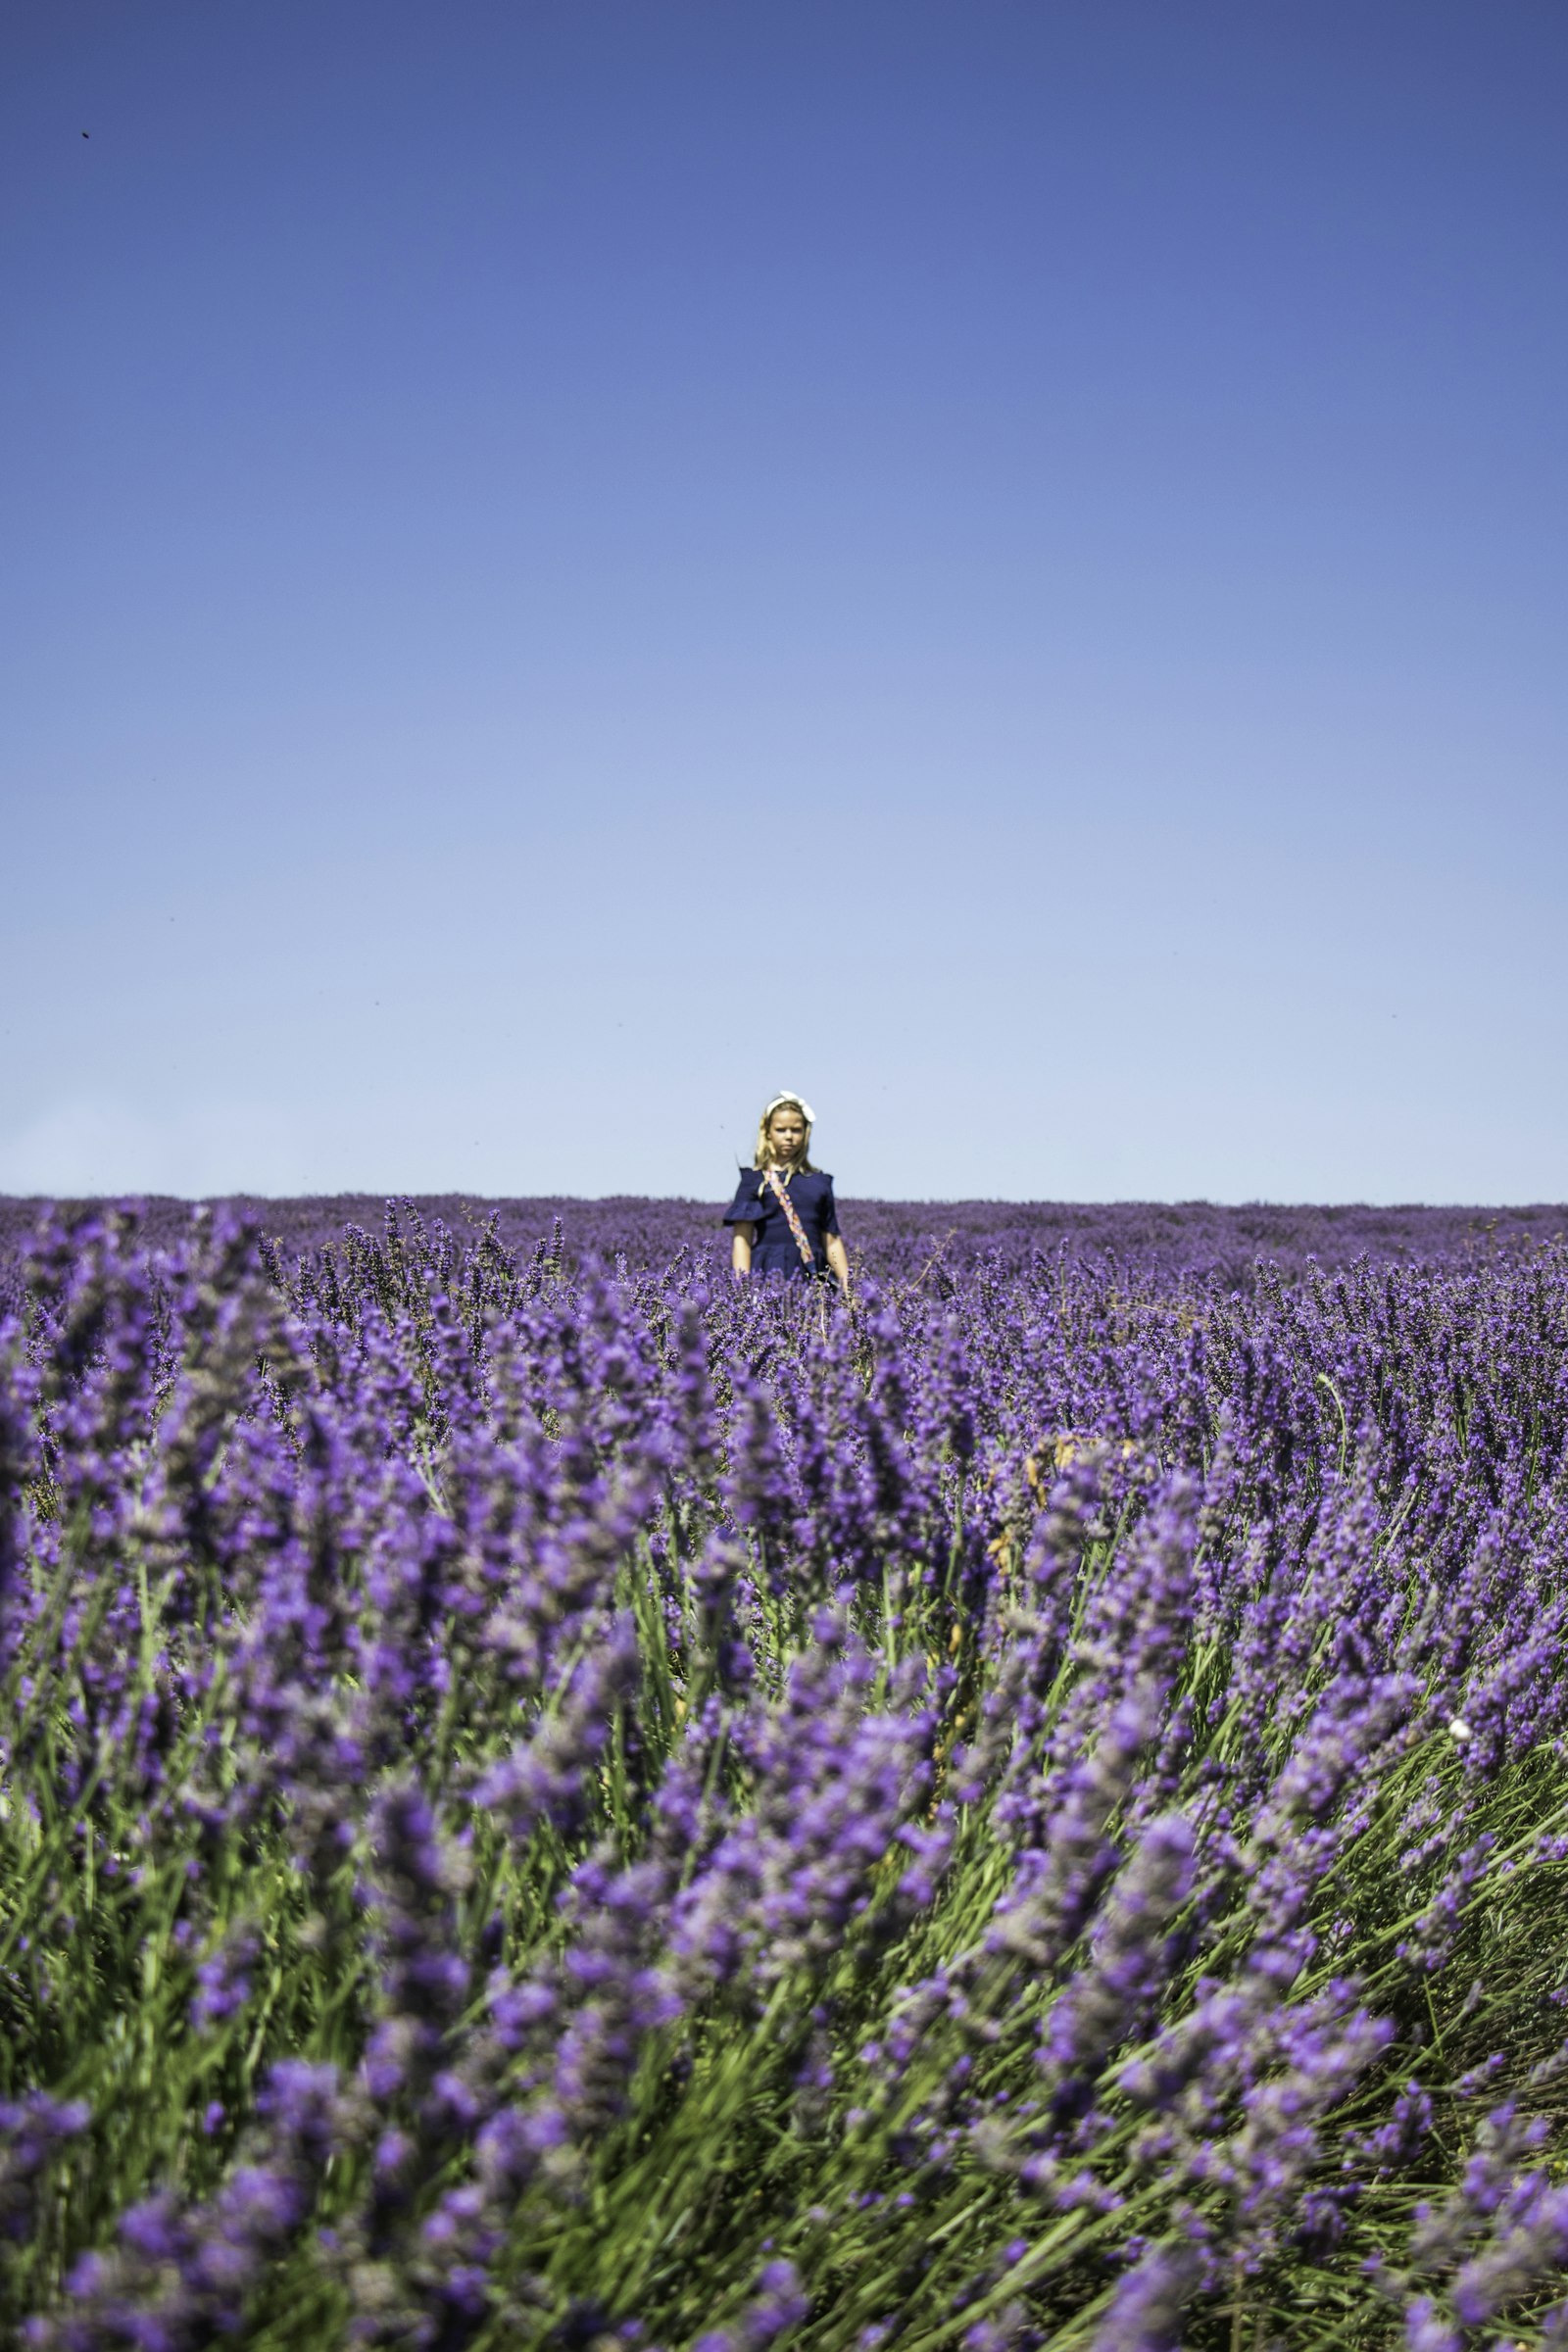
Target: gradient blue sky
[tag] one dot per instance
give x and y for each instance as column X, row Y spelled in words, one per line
column 1002, row 563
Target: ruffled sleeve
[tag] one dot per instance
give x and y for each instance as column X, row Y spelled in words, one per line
column 747, row 1208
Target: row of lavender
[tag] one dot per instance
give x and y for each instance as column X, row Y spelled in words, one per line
column 1195, row 1237
column 545, row 1805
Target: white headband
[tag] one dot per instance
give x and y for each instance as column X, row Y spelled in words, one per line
column 790, row 1095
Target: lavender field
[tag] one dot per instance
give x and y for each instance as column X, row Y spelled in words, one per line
column 893, row 1237
column 548, row 1798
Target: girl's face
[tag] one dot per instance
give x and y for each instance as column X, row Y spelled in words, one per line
column 786, row 1132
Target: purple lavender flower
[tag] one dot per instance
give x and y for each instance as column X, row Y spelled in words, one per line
column 1146, row 2312
column 33, row 2131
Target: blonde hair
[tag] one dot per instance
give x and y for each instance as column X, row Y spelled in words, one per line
column 764, row 1156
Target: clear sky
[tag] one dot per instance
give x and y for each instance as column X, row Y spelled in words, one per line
column 564, row 564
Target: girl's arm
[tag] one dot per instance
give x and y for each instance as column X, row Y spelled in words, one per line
column 838, row 1257
column 739, row 1248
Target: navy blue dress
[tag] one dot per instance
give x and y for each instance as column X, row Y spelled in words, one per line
column 774, row 1249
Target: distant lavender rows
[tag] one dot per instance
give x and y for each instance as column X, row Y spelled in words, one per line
column 1196, row 1237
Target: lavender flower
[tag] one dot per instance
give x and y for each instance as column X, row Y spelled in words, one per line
column 1146, row 2311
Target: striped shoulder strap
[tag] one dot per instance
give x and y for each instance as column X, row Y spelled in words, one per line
column 780, row 1194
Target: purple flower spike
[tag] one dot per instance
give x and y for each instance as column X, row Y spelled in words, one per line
column 1147, row 2310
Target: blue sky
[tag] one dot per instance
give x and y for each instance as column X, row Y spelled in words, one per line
column 1001, row 563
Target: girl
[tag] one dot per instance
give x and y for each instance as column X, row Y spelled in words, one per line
column 784, row 1216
